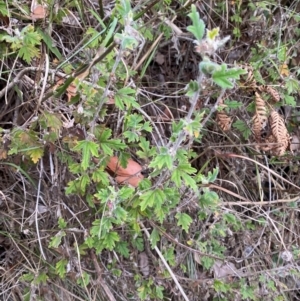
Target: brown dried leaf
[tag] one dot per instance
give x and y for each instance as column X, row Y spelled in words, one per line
column 4, row 20
column 25, row 138
column 3, row 154
column 129, row 175
column 279, row 151
column 71, row 90
column 284, row 70
column 159, row 58
column 257, row 127
column 260, row 106
column 222, row 270
column 143, row 263
column 271, row 139
column 39, row 12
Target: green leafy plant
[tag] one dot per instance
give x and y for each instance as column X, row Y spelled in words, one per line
column 170, row 165
column 243, row 128
column 119, row 172
column 25, row 43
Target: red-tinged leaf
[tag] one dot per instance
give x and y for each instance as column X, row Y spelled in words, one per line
column 38, row 12
column 131, row 174
column 133, row 168
column 131, row 180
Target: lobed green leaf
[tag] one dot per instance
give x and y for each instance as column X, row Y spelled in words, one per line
column 198, row 27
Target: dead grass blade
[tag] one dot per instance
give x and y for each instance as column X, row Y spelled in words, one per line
column 261, row 165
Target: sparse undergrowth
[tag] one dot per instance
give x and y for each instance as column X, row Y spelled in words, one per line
column 149, row 150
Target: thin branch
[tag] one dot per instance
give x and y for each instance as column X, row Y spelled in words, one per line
column 282, row 201
column 100, row 280
column 37, row 208
column 231, row 155
column 214, row 108
column 16, row 79
column 44, row 81
column 105, row 93
column 172, row 239
column 166, row 265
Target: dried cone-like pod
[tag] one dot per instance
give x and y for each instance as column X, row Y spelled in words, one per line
column 280, row 132
column 273, row 93
column 224, row 121
column 260, row 118
column 129, row 175
column 250, row 80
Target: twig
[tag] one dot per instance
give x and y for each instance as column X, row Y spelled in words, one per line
column 172, row 239
column 193, row 101
column 9, row 76
column 85, row 68
column 247, row 201
column 44, row 81
column 295, row 199
column 16, row 80
column 19, row 76
column 231, row 155
column 173, row 147
column 152, row 123
column 214, row 108
column 99, row 279
column 37, row 208
column 166, row 264
column 78, row 265
column 105, row 93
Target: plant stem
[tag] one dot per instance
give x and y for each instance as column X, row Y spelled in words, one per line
column 166, row 264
